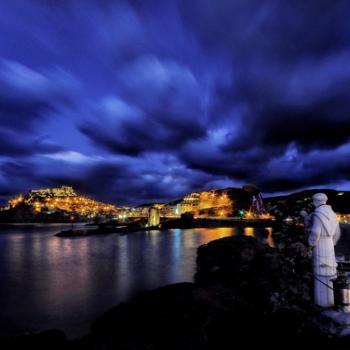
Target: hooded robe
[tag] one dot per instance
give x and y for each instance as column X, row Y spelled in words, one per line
column 324, row 235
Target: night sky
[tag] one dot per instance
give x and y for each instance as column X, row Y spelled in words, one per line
column 145, row 100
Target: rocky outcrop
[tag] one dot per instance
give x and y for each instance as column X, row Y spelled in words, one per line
column 52, row 339
column 281, row 273
column 244, row 290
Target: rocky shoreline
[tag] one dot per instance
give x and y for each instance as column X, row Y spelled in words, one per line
column 243, row 291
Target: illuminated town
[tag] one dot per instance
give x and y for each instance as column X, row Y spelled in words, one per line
column 215, row 203
column 230, row 203
column 62, row 200
column 343, row 218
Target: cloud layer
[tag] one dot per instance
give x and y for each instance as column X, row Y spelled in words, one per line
column 137, row 101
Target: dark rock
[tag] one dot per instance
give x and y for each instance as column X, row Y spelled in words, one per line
column 182, row 316
column 244, row 290
column 52, row 339
column 241, row 262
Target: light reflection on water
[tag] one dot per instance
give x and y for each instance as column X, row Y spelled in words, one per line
column 50, row 282
column 249, row 231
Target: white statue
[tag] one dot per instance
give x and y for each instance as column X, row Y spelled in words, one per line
column 324, row 233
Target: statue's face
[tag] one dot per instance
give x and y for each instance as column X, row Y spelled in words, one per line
column 317, row 203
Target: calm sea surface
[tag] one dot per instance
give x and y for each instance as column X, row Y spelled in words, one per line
column 50, row 282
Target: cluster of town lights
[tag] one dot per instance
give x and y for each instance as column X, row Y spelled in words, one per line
column 74, row 205
column 215, row 203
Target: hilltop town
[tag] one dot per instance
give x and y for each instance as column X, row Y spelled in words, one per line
column 63, row 204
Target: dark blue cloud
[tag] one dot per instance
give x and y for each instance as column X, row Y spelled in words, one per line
column 14, row 145
column 160, row 110
column 134, row 101
column 28, row 96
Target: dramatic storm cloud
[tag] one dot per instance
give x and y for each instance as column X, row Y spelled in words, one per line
column 137, row 101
